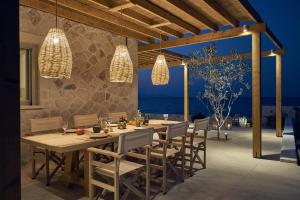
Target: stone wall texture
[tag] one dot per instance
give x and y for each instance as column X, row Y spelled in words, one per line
column 89, row 89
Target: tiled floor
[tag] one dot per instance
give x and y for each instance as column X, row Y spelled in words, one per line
column 231, row 173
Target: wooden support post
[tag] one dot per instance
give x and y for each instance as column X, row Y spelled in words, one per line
column 256, row 93
column 278, row 95
column 186, row 92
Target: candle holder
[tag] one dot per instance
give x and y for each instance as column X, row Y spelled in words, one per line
column 226, row 135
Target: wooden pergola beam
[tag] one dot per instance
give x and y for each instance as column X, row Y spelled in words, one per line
column 264, row 54
column 256, row 94
column 250, row 11
column 273, row 38
column 156, row 10
column 100, row 14
column 193, row 13
column 149, row 22
column 131, row 14
column 222, row 12
column 150, row 65
column 201, row 38
column 186, row 95
column 278, row 95
column 69, row 14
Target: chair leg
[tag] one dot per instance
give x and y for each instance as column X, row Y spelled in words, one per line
column 191, row 161
column 204, row 157
column 91, row 191
column 116, row 180
column 33, row 170
column 182, row 164
column 47, row 167
column 91, row 174
column 148, row 174
column 164, row 184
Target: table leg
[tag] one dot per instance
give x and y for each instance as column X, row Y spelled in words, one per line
column 47, row 167
column 68, row 168
column 86, row 173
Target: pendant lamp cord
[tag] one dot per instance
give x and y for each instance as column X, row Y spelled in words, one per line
column 122, row 27
column 56, row 14
column 160, row 40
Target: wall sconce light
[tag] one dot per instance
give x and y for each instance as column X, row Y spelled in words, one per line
column 245, row 28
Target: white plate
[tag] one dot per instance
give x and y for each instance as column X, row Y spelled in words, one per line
column 71, row 131
column 113, row 125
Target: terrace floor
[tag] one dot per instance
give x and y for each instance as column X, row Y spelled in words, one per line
column 231, row 173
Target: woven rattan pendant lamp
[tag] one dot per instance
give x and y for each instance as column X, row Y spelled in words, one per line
column 55, row 56
column 160, row 71
column 121, row 67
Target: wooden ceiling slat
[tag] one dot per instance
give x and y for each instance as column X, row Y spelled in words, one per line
column 250, row 11
column 97, row 13
column 81, row 18
column 207, row 37
column 149, row 22
column 160, row 24
column 102, row 3
column 156, row 10
column 121, row 7
column 222, row 12
column 131, row 14
column 193, row 13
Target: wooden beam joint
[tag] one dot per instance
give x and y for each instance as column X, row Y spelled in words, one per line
column 121, row 7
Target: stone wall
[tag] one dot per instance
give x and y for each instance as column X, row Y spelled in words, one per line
column 89, row 89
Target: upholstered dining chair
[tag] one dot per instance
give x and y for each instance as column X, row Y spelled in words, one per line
column 169, row 151
column 116, row 173
column 40, row 126
column 195, row 143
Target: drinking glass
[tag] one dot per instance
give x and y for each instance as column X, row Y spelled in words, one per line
column 65, row 126
column 165, row 116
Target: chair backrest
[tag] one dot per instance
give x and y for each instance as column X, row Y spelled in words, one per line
column 46, row 124
column 176, row 130
column 85, row 120
column 135, row 139
column 201, row 124
column 115, row 117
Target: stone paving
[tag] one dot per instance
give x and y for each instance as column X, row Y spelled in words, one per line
column 231, row 173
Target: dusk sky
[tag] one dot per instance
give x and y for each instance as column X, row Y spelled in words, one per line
column 283, row 18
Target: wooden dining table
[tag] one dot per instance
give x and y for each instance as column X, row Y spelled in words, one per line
column 71, row 144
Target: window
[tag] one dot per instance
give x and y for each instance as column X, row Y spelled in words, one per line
column 28, row 75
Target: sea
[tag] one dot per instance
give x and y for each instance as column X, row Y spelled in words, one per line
column 174, row 105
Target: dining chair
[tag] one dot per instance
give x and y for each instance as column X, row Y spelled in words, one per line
column 116, row 173
column 195, row 143
column 85, row 120
column 169, row 151
column 115, row 117
column 40, row 126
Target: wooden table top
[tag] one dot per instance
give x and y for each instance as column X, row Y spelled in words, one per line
column 63, row 143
